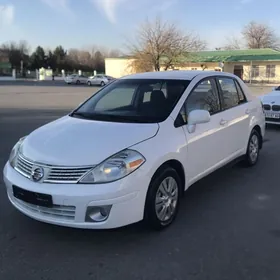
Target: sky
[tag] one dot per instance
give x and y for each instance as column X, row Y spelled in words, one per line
column 112, row 23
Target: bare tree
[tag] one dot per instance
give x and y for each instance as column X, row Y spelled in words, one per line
column 106, row 52
column 258, row 35
column 161, row 43
column 233, row 43
column 114, row 53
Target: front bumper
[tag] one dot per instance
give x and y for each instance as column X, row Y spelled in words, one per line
column 272, row 121
column 71, row 201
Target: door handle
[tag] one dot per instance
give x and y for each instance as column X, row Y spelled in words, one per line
column 223, row 122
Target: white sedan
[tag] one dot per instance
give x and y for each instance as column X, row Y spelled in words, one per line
column 271, row 106
column 130, row 151
column 76, row 79
column 98, row 80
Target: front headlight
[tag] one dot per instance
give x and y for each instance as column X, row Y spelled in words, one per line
column 14, row 152
column 114, row 168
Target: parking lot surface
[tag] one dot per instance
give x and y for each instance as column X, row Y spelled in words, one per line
column 228, row 226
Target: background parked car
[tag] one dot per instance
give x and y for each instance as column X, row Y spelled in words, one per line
column 76, row 79
column 271, row 106
column 98, row 80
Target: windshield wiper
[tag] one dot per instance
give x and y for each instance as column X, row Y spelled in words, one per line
column 105, row 117
column 82, row 114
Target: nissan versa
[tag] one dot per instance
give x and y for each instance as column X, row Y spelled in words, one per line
column 130, row 151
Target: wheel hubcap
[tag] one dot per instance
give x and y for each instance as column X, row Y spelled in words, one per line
column 254, row 148
column 166, row 199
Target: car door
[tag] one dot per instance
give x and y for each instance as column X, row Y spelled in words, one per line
column 84, row 79
column 93, row 80
column 204, row 151
column 236, row 115
column 98, row 80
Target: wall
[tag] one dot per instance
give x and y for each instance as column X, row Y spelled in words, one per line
column 262, row 72
column 7, row 78
column 229, row 67
column 118, row 67
column 197, row 66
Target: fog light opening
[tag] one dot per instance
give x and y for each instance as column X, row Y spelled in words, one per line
column 98, row 213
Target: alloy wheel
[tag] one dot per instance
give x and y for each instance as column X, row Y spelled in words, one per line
column 254, row 148
column 166, row 199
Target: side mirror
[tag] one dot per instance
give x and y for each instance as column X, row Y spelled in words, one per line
column 197, row 117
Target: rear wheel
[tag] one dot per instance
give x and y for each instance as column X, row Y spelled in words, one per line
column 253, row 148
column 89, row 83
column 78, row 82
column 102, row 84
column 163, row 199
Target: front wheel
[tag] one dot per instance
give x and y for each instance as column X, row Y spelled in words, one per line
column 163, row 198
column 89, row 83
column 102, row 84
column 78, row 82
column 253, row 148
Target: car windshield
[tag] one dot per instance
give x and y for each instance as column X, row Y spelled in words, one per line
column 133, row 100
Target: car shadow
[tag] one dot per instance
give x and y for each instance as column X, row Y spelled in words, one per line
column 273, row 127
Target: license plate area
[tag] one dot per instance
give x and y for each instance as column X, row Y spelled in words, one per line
column 34, row 198
column 272, row 115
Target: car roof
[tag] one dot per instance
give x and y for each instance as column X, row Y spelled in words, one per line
column 175, row 75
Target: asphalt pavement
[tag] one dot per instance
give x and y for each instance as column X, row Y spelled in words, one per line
column 228, row 227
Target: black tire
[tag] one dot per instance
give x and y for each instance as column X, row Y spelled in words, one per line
column 78, row 82
column 89, row 83
column 254, row 144
column 150, row 215
column 102, row 84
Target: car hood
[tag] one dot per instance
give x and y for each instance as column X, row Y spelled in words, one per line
column 71, row 141
column 273, row 96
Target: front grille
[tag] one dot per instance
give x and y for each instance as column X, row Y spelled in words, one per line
column 24, row 166
column 53, row 174
column 275, row 107
column 267, row 107
column 66, row 175
column 58, row 212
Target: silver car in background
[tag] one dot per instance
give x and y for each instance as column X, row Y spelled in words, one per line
column 76, row 79
column 98, row 80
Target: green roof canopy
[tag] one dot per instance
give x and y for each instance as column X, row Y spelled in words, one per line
column 225, row 56
column 234, row 56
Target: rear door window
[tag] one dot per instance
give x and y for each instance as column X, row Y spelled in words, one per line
column 229, row 92
column 205, row 97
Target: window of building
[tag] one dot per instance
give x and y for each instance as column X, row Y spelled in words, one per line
column 255, row 71
column 270, row 71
